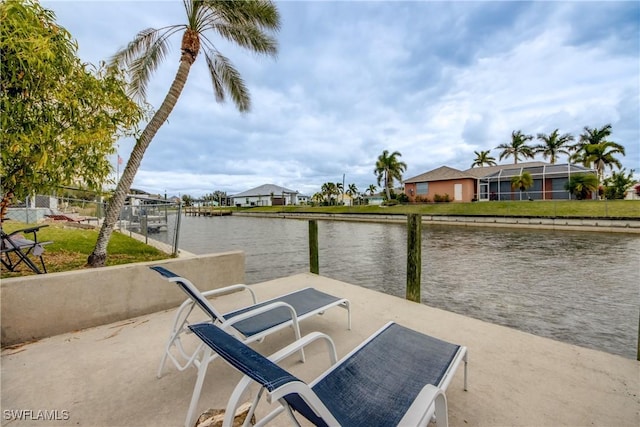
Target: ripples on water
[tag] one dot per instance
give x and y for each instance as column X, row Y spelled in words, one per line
column 577, row 287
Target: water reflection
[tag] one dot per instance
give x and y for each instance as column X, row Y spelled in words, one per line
column 577, row 287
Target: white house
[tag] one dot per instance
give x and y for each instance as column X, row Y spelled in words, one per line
column 266, row 195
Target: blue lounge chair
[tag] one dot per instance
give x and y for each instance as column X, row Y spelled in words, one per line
column 396, row 377
column 251, row 323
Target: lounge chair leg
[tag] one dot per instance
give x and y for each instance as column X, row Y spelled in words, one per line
column 442, row 418
column 465, row 371
column 162, row 362
column 197, row 389
column 348, row 307
column 291, row 416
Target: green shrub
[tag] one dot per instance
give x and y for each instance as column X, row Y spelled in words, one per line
column 439, row 198
column 403, row 198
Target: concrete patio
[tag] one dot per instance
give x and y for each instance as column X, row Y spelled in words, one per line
column 106, row 375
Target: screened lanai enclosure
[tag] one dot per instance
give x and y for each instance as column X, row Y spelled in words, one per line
column 548, row 183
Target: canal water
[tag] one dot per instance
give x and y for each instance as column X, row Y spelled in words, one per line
column 578, row 287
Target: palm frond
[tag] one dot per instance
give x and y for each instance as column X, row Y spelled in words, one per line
column 227, row 80
column 248, row 37
column 260, row 13
column 143, row 55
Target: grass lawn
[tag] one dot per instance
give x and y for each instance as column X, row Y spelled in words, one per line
column 537, row 208
column 72, row 246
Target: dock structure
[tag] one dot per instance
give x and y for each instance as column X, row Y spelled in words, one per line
column 206, row 211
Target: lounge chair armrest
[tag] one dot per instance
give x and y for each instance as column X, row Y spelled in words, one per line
column 230, row 289
column 276, row 357
column 430, row 401
column 295, row 346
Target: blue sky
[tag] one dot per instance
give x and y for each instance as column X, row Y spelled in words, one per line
column 435, row 81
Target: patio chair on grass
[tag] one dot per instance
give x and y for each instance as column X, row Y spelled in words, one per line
column 15, row 249
column 251, row 323
column 396, row 377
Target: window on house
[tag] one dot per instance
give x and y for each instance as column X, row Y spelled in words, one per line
column 422, row 187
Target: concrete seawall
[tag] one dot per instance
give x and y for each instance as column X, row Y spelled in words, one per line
column 35, row 307
column 576, row 224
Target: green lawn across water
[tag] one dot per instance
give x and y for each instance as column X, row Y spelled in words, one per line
column 537, row 208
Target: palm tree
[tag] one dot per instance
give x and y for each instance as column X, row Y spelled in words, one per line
column 317, row 197
column 588, row 137
column 517, row 148
column 329, row 189
column 602, row 155
column 522, row 182
column 339, row 191
column 389, row 168
column 371, row 189
column 580, row 185
column 352, row 191
column 247, row 23
column 617, row 184
column 483, row 158
column 553, row 144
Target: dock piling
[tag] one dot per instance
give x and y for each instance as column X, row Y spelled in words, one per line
column 414, row 257
column 313, row 247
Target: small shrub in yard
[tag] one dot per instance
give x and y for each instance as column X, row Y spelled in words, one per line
column 439, row 198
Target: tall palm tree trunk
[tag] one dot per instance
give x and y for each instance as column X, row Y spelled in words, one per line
column 386, row 184
column 99, row 254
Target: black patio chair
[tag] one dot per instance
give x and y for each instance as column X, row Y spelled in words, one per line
column 15, row 249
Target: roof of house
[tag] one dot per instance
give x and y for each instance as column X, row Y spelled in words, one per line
column 442, row 173
column 535, row 170
column 265, row 190
column 482, row 171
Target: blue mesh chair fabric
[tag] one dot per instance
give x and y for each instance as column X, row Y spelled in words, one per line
column 303, row 301
column 388, row 372
column 242, row 357
column 374, row 386
column 195, row 296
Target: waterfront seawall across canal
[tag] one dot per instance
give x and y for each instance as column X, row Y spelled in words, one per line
column 626, row 225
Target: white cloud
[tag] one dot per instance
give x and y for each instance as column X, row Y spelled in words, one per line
column 433, row 80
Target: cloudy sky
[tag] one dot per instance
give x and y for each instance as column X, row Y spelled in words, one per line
column 435, row 81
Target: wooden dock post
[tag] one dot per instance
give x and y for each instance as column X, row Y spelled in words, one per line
column 313, row 247
column 414, row 257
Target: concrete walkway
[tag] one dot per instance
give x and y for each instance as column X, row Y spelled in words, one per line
column 105, row 376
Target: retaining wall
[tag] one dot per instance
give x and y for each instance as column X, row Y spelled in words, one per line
column 579, row 224
column 35, row 307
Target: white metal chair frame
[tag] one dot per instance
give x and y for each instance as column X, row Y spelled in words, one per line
column 201, row 359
